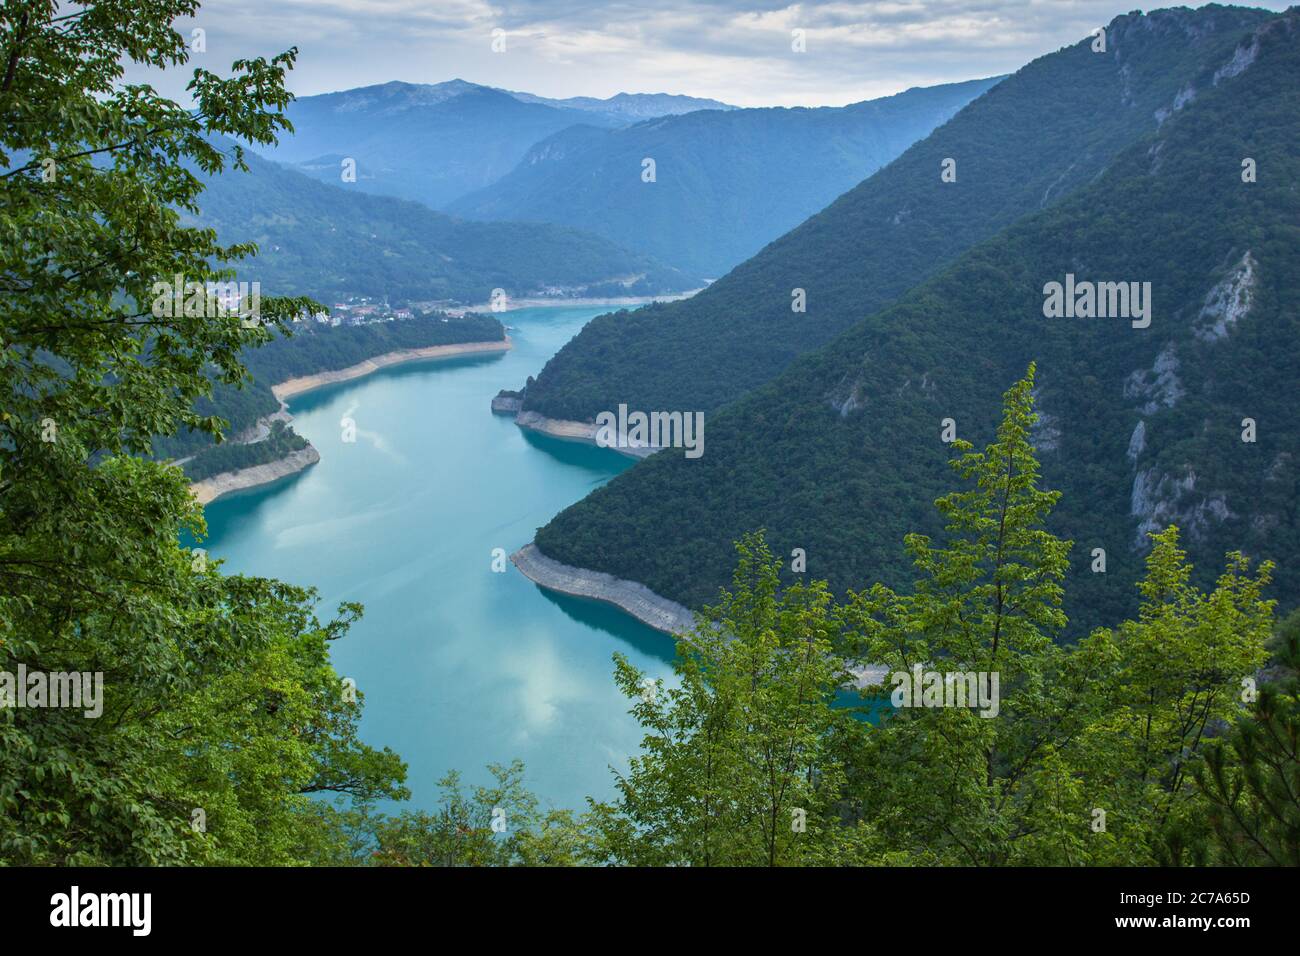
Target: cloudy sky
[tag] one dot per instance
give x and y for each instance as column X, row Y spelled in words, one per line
column 737, row 51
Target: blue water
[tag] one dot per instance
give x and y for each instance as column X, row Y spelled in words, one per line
column 460, row 666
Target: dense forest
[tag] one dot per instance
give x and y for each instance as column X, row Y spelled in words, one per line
column 840, row 454
column 1027, row 143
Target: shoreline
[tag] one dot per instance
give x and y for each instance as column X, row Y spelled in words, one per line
column 210, row 489
column 665, row 616
column 584, row 432
column 307, row 383
column 654, row 610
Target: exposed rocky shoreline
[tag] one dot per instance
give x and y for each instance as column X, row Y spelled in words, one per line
column 631, row 597
column 568, row 430
column 507, row 404
column 636, row 599
column 210, row 489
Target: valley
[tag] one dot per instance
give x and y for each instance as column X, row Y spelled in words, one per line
column 356, row 510
column 460, row 665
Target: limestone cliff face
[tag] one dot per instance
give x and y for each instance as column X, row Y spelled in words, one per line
column 1229, row 301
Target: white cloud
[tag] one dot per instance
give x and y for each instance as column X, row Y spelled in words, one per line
column 734, row 51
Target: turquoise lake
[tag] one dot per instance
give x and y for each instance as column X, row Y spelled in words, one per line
column 460, row 666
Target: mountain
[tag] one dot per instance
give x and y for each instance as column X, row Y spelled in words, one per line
column 1025, row 144
column 322, row 240
column 1139, row 427
column 434, row 143
column 726, row 182
column 630, row 107
column 427, row 143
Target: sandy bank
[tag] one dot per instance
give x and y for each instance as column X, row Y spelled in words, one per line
column 636, row 599
column 210, row 489
column 572, row 431
column 305, row 383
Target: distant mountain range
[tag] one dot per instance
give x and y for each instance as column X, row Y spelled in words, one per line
column 725, row 182
column 331, row 240
column 436, row 142
column 1127, row 166
column 629, row 107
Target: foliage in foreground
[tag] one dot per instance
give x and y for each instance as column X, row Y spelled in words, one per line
column 223, row 720
column 221, row 714
column 1096, row 751
column 1164, row 740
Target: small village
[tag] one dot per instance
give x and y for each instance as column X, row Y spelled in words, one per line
column 362, row 310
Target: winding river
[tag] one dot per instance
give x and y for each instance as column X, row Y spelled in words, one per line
column 460, row 666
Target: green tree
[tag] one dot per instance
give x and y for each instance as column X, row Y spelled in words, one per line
column 254, row 746
column 740, row 763
column 953, row 784
column 497, row 825
column 203, row 673
column 1087, row 758
column 1251, row 776
column 1174, row 678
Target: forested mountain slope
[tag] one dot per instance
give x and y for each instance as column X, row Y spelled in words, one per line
column 329, row 240
column 1140, row 427
column 726, row 182
column 1023, row 145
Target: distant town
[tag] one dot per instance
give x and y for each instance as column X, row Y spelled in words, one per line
column 366, row 310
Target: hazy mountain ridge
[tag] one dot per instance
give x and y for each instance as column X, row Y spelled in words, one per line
column 436, row 142
column 1139, row 428
column 631, row 107
column 726, row 182
column 329, row 240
